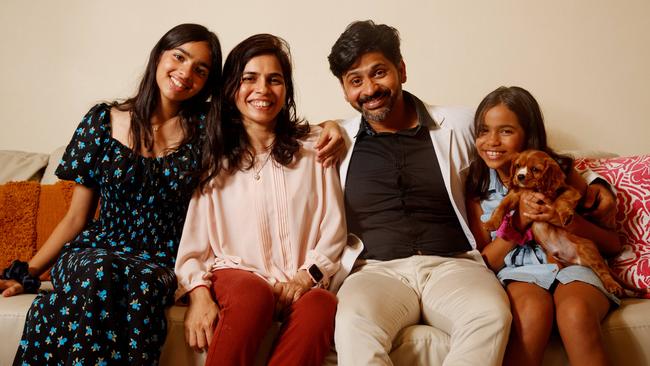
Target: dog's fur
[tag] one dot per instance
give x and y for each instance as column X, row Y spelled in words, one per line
column 534, row 170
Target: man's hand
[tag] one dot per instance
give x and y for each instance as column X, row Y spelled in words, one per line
column 600, row 205
column 330, row 145
column 10, row 288
column 200, row 319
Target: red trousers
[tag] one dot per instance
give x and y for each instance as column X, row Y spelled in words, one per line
column 247, row 304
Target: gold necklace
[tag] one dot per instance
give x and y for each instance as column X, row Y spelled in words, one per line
column 256, row 172
column 155, row 128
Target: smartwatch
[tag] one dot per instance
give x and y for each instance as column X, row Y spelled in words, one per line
column 315, row 273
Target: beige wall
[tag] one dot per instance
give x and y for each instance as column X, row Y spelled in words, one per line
column 587, row 61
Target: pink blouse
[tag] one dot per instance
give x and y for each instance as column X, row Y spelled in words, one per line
column 289, row 219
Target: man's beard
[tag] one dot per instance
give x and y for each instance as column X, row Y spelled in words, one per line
column 380, row 114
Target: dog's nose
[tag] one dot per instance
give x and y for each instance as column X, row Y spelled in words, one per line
column 521, row 176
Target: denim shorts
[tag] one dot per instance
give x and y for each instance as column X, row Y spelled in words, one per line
column 529, row 263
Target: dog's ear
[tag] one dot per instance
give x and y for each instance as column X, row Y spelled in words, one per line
column 513, row 170
column 553, row 178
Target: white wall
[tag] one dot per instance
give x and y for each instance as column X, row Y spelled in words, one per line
column 587, row 61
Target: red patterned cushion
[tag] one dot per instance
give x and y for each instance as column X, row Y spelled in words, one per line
column 631, row 178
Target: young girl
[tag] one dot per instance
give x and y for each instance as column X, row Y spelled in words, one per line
column 268, row 231
column 509, row 121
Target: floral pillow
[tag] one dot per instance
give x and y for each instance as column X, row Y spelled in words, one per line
column 631, row 178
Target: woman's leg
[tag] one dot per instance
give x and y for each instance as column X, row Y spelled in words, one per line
column 246, row 305
column 532, row 322
column 308, row 331
column 580, row 308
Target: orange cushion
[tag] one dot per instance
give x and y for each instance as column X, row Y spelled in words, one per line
column 18, row 211
column 53, row 204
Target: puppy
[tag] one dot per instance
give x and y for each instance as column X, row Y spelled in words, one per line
column 534, row 170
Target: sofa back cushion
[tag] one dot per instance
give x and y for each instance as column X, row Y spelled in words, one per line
column 21, row 166
column 53, row 162
column 630, row 176
column 18, row 208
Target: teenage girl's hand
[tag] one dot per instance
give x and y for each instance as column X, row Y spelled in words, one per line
column 10, row 288
column 330, row 144
column 200, row 319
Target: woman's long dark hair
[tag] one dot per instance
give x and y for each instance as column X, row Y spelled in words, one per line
column 142, row 106
column 529, row 115
column 288, row 128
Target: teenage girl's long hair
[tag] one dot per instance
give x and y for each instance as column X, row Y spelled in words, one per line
column 203, row 105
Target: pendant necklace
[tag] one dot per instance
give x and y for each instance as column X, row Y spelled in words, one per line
column 156, row 127
column 256, row 172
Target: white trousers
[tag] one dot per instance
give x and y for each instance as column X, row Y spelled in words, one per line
column 458, row 295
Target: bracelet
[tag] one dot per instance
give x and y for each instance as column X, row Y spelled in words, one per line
column 19, row 272
column 507, row 232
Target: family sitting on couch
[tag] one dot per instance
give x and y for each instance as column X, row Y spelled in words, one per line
column 236, row 205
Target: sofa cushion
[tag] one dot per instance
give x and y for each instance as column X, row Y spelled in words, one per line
column 631, row 178
column 54, row 201
column 20, row 165
column 53, row 162
column 19, row 202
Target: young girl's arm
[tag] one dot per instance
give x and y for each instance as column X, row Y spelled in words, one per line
column 82, row 208
column 493, row 251
column 535, row 207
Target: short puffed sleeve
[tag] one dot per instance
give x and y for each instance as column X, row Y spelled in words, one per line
column 79, row 162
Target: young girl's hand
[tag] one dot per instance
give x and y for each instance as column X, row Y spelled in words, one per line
column 534, row 206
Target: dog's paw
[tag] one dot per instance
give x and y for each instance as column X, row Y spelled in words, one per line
column 614, row 288
column 491, row 225
column 565, row 216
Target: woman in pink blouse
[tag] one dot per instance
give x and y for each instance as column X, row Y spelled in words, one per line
column 262, row 240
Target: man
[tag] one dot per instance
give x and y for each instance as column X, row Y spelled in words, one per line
column 404, row 181
column 404, row 194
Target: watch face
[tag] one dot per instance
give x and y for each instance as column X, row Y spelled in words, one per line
column 315, row 273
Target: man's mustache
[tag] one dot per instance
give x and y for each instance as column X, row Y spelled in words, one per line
column 378, row 94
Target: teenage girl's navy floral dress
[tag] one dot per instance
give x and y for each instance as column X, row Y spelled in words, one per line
column 113, row 282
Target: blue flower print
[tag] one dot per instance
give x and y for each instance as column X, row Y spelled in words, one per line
column 113, row 281
column 111, row 335
column 102, row 295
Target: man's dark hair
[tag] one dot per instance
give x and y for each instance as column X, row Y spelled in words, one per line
column 362, row 37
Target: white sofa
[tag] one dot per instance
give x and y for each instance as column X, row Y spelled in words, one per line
column 626, row 330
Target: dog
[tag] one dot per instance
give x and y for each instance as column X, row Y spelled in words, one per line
column 534, row 170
